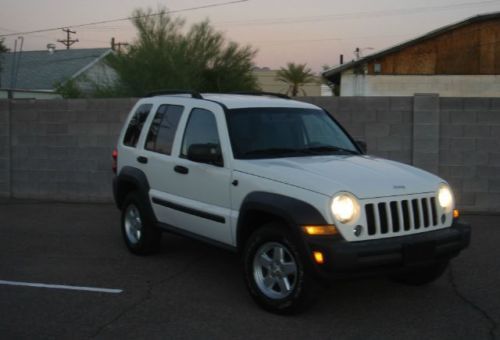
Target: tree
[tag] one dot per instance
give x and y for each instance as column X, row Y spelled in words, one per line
column 3, row 49
column 296, row 76
column 164, row 57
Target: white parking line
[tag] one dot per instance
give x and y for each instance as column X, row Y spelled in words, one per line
column 50, row 286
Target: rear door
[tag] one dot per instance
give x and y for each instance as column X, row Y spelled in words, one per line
column 189, row 195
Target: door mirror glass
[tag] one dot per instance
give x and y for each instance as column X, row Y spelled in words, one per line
column 362, row 145
column 205, row 153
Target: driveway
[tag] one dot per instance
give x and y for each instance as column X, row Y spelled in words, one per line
column 65, row 273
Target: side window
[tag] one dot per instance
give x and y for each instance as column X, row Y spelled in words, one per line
column 201, row 131
column 162, row 132
column 135, row 126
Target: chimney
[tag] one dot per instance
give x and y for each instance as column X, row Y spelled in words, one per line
column 341, row 59
column 51, row 48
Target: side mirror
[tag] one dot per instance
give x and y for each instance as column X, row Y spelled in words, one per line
column 205, row 153
column 362, row 145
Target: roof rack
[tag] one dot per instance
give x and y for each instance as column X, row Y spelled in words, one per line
column 260, row 93
column 193, row 94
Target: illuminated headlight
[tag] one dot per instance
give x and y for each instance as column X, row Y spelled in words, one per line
column 345, row 208
column 445, row 197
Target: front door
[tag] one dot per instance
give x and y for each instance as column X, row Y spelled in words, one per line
column 196, row 196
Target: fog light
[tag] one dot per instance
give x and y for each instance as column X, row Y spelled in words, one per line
column 318, row 257
column 320, row 230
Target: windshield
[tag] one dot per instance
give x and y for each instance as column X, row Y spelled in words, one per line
column 285, row 132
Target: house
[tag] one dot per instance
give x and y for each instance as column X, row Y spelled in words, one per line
column 459, row 60
column 36, row 74
column 266, row 80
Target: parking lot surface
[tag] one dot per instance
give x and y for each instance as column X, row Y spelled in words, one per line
column 192, row 290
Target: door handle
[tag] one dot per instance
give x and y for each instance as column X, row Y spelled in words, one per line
column 142, row 159
column 181, row 169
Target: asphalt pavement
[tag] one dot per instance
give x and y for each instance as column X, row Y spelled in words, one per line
column 94, row 288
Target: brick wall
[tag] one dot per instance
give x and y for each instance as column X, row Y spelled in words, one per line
column 60, row 149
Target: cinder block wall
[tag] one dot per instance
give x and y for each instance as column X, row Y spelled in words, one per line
column 61, row 149
column 455, row 138
column 384, row 123
column 469, row 150
column 4, row 149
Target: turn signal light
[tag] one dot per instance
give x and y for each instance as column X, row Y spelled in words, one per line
column 320, row 230
column 456, row 213
column 318, row 257
column 114, row 156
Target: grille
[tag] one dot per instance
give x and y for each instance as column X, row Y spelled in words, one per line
column 401, row 216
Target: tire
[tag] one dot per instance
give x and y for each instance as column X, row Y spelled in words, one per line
column 141, row 236
column 420, row 276
column 274, row 271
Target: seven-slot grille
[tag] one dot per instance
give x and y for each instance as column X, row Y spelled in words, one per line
column 400, row 216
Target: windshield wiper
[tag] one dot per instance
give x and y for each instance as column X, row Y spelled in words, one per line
column 330, row 148
column 276, row 151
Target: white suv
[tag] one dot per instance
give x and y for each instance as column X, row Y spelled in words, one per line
column 283, row 184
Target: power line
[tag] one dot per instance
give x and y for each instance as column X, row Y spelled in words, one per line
column 127, row 18
column 355, row 15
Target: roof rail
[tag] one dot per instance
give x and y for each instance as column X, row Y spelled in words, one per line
column 193, row 94
column 260, row 93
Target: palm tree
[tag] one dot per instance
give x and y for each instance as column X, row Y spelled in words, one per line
column 296, row 76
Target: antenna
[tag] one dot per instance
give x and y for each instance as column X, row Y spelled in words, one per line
column 68, row 41
column 358, row 52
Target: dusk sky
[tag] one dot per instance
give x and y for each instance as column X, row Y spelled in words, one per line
column 315, row 32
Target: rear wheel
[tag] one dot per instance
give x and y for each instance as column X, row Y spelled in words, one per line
column 139, row 232
column 275, row 273
column 420, row 276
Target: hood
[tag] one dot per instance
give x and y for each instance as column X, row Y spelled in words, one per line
column 363, row 176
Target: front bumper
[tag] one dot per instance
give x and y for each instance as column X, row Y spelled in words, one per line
column 344, row 258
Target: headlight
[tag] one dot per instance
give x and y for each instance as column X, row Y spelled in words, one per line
column 445, row 197
column 345, row 208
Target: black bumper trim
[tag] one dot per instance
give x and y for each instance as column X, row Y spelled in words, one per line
column 388, row 254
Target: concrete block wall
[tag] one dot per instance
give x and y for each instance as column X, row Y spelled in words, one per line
column 4, row 149
column 61, row 149
column 384, row 123
column 470, row 150
column 456, row 138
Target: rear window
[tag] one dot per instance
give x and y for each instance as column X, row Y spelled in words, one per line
column 135, row 126
column 162, row 131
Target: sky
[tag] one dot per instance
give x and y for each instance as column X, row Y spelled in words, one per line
column 315, row 32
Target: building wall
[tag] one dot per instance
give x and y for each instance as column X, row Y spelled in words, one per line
column 61, row 149
column 268, row 83
column 407, row 85
column 471, row 49
column 26, row 94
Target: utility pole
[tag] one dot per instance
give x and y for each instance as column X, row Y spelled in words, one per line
column 117, row 46
column 68, row 41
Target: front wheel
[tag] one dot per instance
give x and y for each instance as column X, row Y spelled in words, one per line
column 274, row 271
